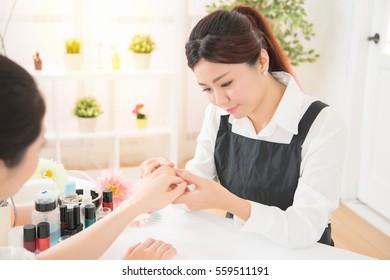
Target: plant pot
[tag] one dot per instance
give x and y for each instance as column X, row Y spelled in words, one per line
column 142, row 123
column 142, row 60
column 73, row 61
column 87, row 125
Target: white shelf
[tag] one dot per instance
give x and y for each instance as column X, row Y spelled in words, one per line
column 58, row 74
column 146, row 132
column 134, row 133
column 58, row 135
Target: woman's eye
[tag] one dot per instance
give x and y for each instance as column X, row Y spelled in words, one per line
column 226, row 84
column 206, row 90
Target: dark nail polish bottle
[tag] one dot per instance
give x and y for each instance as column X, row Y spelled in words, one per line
column 77, row 221
column 71, row 229
column 90, row 215
column 29, row 238
column 63, row 224
column 107, row 199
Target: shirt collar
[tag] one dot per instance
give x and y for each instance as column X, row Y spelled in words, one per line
column 286, row 116
column 288, row 112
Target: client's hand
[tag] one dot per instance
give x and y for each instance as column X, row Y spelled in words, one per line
column 150, row 165
column 158, row 189
column 150, row 249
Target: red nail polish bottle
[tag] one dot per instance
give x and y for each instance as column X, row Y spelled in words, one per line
column 29, row 238
column 43, row 234
column 107, row 199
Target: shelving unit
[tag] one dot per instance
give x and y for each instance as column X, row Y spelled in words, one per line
column 57, row 77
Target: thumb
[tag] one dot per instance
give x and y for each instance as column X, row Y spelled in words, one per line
column 189, row 177
column 179, row 190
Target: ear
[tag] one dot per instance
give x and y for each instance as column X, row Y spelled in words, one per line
column 263, row 60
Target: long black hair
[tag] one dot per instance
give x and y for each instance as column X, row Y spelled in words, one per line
column 22, row 109
column 235, row 36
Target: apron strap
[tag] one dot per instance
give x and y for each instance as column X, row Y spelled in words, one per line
column 307, row 120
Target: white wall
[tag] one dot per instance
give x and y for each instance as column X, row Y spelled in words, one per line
column 338, row 77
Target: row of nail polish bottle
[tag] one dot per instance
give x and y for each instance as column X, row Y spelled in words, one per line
column 36, row 238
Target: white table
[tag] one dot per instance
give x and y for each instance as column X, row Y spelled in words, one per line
column 201, row 235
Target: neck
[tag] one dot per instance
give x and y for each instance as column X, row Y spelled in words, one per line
column 264, row 112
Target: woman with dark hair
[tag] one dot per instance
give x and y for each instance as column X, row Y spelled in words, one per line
column 267, row 154
column 22, row 109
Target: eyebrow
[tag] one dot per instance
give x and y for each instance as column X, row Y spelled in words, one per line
column 217, row 78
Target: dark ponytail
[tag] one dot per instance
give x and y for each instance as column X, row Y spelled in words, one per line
column 235, row 37
column 21, row 112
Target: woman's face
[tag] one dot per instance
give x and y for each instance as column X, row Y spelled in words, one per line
column 12, row 179
column 236, row 88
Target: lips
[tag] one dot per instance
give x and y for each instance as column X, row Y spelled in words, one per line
column 232, row 109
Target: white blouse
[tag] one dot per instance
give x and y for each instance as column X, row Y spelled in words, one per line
column 323, row 154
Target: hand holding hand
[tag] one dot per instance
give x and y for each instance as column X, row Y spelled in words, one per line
column 207, row 194
column 150, row 165
column 150, row 249
column 158, row 189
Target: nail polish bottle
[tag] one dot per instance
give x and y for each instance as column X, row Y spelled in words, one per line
column 77, row 221
column 43, row 234
column 107, row 199
column 29, row 237
column 71, row 229
column 90, row 214
column 63, row 224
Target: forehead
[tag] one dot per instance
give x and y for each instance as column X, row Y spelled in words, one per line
column 206, row 71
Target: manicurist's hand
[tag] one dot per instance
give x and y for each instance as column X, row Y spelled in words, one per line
column 150, row 249
column 209, row 194
column 150, row 165
column 157, row 190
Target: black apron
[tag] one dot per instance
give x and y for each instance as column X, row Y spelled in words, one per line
column 262, row 171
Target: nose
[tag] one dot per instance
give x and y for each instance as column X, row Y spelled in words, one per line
column 221, row 98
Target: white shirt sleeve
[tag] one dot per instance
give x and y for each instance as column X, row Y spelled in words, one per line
column 203, row 162
column 15, row 253
column 318, row 191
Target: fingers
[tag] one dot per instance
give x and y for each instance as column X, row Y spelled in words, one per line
column 150, row 168
column 160, row 160
column 132, row 248
column 152, row 249
column 189, row 177
column 179, row 190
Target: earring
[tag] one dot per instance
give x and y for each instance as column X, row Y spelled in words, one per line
column 264, row 73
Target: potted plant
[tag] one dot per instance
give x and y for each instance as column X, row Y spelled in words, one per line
column 87, row 109
column 73, row 57
column 288, row 22
column 142, row 45
column 142, row 120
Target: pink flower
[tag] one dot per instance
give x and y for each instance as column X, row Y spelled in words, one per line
column 112, row 179
column 136, row 111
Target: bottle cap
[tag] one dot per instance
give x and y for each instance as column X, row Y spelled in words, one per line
column 29, row 232
column 45, row 201
column 43, row 230
column 107, row 196
column 90, row 211
column 70, row 188
column 76, row 213
column 63, row 209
